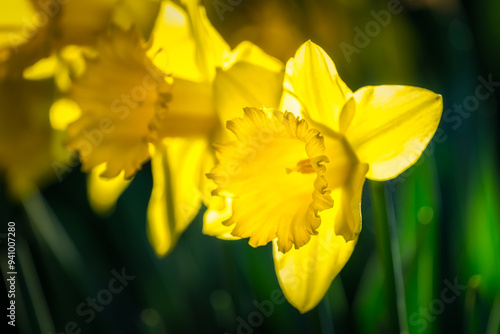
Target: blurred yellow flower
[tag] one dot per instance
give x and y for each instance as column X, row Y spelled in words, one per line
column 41, row 44
column 121, row 94
column 298, row 182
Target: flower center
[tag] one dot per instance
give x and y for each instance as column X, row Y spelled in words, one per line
column 303, row 166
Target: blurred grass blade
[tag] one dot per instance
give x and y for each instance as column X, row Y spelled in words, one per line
column 388, row 250
column 46, row 226
column 35, row 291
column 325, row 317
column 471, row 311
column 494, row 321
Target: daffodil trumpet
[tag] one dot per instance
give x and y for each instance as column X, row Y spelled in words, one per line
column 295, row 176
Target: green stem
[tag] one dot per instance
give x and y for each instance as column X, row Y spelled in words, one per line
column 388, row 251
column 325, row 316
column 51, row 232
column 35, row 289
column 494, row 321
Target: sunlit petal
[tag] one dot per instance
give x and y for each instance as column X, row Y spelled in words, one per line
column 312, row 79
column 345, row 176
column 392, row 126
column 305, row 274
column 249, row 78
column 104, row 192
column 219, row 210
column 187, row 46
column 179, row 167
column 211, row 48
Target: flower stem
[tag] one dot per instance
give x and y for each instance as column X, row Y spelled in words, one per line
column 390, row 260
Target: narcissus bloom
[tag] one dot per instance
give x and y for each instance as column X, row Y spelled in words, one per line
column 41, row 43
column 295, row 177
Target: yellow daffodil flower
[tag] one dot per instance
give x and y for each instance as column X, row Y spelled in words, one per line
column 164, row 100
column 40, row 43
column 298, row 181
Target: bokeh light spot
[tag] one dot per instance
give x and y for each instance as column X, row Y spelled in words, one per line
column 150, row 317
column 425, row 214
column 220, row 299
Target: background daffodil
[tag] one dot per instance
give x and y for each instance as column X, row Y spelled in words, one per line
column 376, row 132
column 41, row 53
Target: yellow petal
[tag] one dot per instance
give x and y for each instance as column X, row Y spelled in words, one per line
column 42, row 69
column 104, row 192
column 71, row 65
column 391, row 127
column 312, row 79
column 179, row 167
column 186, row 44
column 345, row 176
column 211, row 48
column 249, row 53
column 347, row 208
column 305, row 274
column 218, row 211
column 249, row 78
column 64, row 65
column 173, row 49
column 13, row 27
column 63, row 112
column 275, row 177
column 120, row 94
